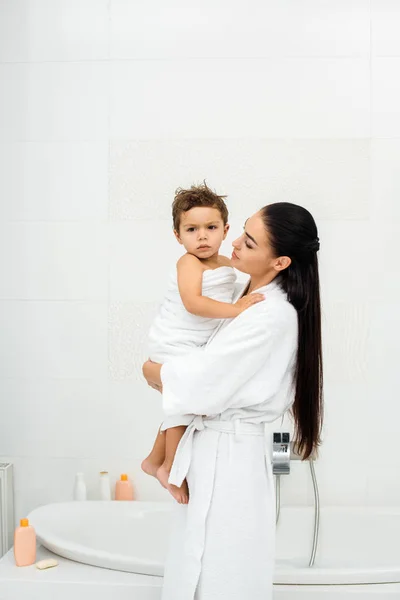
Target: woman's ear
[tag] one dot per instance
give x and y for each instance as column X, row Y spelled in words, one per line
column 283, row 262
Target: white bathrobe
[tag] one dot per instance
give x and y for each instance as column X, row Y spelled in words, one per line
column 223, row 542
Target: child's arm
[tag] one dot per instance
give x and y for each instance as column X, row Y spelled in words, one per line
column 190, row 276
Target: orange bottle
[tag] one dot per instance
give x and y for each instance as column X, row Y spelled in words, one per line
column 24, row 544
column 124, row 489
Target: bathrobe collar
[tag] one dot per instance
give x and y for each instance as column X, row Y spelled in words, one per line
column 272, row 285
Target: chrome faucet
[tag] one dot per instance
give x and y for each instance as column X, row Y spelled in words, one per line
column 283, row 451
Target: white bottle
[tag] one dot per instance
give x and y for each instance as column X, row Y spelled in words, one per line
column 105, row 489
column 79, row 487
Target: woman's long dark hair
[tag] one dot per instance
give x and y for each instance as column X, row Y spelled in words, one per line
column 292, row 232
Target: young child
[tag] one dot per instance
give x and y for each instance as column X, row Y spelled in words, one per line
column 199, row 295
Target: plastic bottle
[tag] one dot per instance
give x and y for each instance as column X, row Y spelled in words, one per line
column 124, row 488
column 105, row 490
column 24, row 544
column 79, row 487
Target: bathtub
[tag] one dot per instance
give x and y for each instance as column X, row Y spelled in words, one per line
column 359, row 547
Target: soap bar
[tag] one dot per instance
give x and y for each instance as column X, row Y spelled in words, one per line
column 47, row 563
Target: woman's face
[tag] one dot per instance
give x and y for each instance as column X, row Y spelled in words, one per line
column 252, row 252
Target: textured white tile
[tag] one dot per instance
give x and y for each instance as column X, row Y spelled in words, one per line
column 295, row 98
column 54, row 181
column 139, row 272
column 54, row 101
column 134, row 419
column 53, row 339
column 383, row 344
column 343, row 464
column 258, row 28
column 385, row 187
column 142, row 255
column 385, row 24
column 38, row 30
column 345, row 434
column 345, row 255
column 384, row 262
column 129, row 324
column 345, row 333
column 53, row 261
column 385, row 97
column 144, row 176
column 329, row 177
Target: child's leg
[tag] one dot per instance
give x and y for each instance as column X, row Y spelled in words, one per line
column 156, row 456
column 173, row 437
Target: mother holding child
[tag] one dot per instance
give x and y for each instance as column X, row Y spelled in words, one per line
column 228, row 359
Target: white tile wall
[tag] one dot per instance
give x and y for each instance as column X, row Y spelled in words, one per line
column 385, row 181
column 129, row 323
column 329, row 177
column 53, row 261
column 261, row 91
column 54, row 181
column 385, row 97
column 46, row 339
column 53, row 30
column 105, row 109
column 385, row 19
column 382, row 486
column 133, row 256
column 41, row 481
column 346, row 333
column 70, row 416
column 80, row 418
column 345, row 401
column 54, row 101
column 208, row 29
column 345, row 262
column 383, row 349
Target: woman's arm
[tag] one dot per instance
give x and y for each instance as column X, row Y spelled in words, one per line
column 190, row 276
column 252, row 353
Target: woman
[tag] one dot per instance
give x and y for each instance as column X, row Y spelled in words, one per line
column 256, row 366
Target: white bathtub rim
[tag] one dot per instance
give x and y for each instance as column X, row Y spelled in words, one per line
column 92, row 556
column 284, row 574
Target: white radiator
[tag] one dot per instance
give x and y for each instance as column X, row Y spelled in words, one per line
column 6, row 507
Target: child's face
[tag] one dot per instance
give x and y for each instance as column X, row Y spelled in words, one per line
column 202, row 231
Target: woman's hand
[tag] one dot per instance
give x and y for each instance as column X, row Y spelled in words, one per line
column 151, row 372
column 248, row 301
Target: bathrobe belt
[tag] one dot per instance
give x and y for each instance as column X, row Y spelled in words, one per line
column 183, row 455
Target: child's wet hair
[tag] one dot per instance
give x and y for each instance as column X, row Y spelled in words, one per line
column 197, row 195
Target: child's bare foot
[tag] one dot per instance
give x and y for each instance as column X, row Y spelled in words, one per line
column 181, row 494
column 150, row 467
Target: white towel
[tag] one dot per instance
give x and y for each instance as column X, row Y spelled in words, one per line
column 175, row 330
